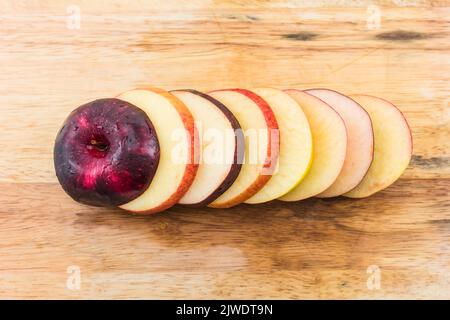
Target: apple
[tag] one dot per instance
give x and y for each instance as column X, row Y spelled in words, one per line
column 359, row 153
column 393, row 146
column 295, row 145
column 221, row 147
column 178, row 161
column 148, row 149
column 106, row 153
column 329, row 146
column 260, row 128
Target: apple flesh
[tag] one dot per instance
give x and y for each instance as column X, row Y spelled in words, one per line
column 393, row 146
column 177, row 136
column 359, row 152
column 221, row 147
column 329, row 146
column 106, row 153
column 295, row 145
column 260, row 129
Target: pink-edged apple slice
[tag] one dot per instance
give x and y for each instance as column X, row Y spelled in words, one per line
column 393, row 146
column 221, row 147
column 177, row 136
column 359, row 153
column 295, row 145
column 260, row 129
column 329, row 146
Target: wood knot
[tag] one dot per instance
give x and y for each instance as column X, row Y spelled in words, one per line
column 401, row 35
column 301, row 36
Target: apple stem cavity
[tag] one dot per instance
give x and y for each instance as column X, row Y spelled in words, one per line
column 98, row 147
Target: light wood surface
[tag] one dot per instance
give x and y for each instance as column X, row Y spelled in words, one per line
column 310, row 249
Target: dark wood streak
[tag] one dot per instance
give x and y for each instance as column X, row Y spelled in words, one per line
column 253, row 18
column 440, row 221
column 242, row 17
column 430, row 163
column 401, row 35
column 301, row 36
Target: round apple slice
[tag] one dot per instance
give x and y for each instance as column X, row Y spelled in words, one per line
column 260, row 128
column 393, row 146
column 330, row 145
column 359, row 153
column 295, row 145
column 221, row 148
column 178, row 162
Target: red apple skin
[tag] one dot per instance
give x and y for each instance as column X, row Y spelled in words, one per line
column 192, row 165
column 272, row 155
column 106, row 153
column 238, row 151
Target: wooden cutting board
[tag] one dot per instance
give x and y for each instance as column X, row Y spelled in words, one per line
column 395, row 244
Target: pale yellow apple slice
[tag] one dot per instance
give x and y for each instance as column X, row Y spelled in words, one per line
column 219, row 164
column 259, row 125
column 295, row 145
column 174, row 126
column 359, row 141
column 393, row 146
column 329, row 146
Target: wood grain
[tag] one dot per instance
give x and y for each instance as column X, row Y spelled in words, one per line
column 310, row 249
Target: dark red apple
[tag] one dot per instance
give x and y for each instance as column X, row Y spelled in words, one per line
column 106, row 153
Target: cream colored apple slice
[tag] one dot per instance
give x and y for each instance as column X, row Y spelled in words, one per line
column 393, row 146
column 260, row 128
column 329, row 146
column 295, row 145
column 219, row 164
column 359, row 153
column 174, row 126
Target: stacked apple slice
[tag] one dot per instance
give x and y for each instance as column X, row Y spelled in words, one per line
column 149, row 149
